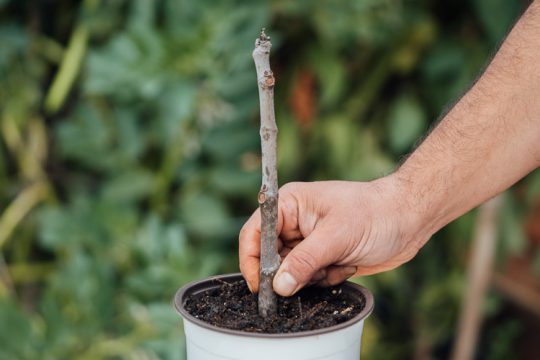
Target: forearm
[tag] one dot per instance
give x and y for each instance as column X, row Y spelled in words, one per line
column 488, row 141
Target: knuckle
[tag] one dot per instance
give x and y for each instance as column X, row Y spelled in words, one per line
column 290, row 197
column 289, row 207
column 243, row 231
column 289, row 187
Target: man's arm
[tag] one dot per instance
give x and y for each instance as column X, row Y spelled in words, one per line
column 331, row 230
column 488, row 141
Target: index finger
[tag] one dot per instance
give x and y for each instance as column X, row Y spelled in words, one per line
column 249, row 250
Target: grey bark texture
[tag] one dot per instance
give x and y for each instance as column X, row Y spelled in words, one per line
column 268, row 195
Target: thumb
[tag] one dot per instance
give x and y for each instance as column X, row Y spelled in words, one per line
column 301, row 264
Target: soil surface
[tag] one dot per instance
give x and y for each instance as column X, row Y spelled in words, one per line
column 233, row 306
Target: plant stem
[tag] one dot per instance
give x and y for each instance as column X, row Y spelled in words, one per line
column 268, row 196
column 20, row 207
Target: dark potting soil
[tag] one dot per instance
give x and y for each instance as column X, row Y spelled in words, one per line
column 233, row 306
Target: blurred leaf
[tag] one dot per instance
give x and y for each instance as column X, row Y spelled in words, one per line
column 169, row 343
column 129, row 186
column 289, row 147
column 369, row 160
column 233, row 181
column 157, row 242
column 56, row 227
column 15, row 338
column 448, row 68
column 131, row 140
column 372, row 20
column 512, row 231
column 533, row 187
column 230, row 140
column 14, row 41
column 497, row 16
column 204, row 215
column 75, row 143
column 176, row 105
column 127, row 67
column 338, row 142
column 332, row 76
column 406, row 122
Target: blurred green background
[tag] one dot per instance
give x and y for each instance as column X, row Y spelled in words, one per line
column 129, row 159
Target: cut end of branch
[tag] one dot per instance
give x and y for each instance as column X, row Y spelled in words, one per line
column 263, row 36
column 263, row 39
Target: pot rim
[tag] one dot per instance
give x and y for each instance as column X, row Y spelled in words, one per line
column 201, row 285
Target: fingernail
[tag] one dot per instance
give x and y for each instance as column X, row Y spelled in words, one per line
column 350, row 270
column 285, row 284
column 319, row 275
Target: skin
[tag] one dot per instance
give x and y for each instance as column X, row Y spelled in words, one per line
column 332, row 230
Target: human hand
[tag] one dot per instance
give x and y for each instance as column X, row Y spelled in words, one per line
column 332, row 230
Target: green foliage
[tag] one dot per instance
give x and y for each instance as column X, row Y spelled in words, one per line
column 137, row 123
column 497, row 16
column 406, row 123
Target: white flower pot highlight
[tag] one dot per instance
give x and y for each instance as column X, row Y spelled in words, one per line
column 208, row 342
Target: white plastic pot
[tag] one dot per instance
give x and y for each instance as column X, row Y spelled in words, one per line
column 208, row 342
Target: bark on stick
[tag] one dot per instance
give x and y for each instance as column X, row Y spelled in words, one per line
column 268, row 195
